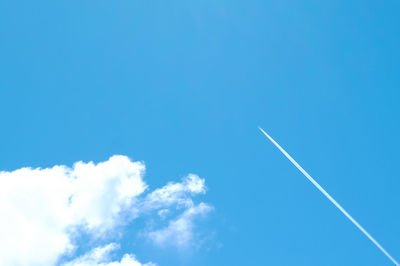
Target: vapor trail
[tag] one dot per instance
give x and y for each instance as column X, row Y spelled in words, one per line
column 330, row 198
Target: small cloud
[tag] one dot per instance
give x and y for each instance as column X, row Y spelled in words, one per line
column 163, row 213
column 175, row 193
column 179, row 232
column 194, row 184
column 100, row 256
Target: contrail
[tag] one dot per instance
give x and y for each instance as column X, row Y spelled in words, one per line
column 330, row 198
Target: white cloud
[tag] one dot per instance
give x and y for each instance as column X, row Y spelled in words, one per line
column 44, row 210
column 175, row 193
column 179, row 232
column 101, row 257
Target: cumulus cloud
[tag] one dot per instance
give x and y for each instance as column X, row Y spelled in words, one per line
column 100, row 256
column 45, row 210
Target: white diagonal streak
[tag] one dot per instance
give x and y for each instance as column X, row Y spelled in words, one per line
column 326, row 194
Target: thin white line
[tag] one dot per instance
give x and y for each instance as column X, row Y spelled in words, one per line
column 330, row 198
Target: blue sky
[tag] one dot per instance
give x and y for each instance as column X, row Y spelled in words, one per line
column 183, row 85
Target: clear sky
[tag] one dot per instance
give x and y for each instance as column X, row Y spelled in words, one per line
column 182, row 87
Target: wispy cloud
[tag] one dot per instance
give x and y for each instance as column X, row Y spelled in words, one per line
column 46, row 210
column 179, row 232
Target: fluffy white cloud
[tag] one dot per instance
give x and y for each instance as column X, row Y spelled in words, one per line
column 101, row 257
column 175, row 194
column 44, row 210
